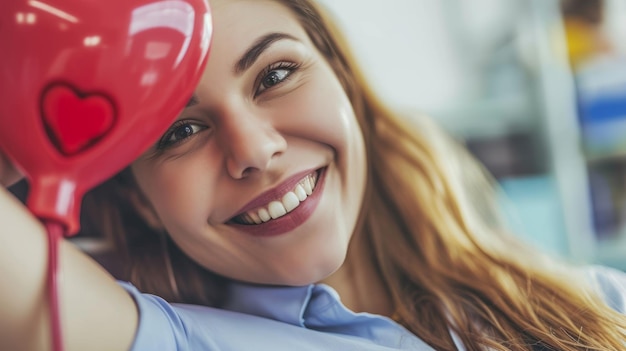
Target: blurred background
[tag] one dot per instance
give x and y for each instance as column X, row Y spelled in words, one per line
column 536, row 89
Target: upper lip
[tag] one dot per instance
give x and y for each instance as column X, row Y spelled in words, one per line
column 275, row 193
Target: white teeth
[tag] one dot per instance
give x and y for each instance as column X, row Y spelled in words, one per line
column 290, row 201
column 264, row 215
column 300, row 193
column 307, row 186
column 276, row 209
column 255, row 217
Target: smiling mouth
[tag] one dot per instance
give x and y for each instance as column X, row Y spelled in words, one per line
column 280, row 207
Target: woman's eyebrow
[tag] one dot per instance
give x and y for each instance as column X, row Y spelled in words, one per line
column 192, row 101
column 253, row 53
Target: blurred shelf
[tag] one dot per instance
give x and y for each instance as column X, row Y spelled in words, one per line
column 604, row 140
column 594, row 157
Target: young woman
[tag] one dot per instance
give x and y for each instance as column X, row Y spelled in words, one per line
column 288, row 209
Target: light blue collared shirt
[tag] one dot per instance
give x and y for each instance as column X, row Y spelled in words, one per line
column 292, row 318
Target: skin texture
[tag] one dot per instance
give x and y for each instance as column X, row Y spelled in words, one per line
column 248, row 138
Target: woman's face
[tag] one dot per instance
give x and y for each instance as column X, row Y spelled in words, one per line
column 262, row 177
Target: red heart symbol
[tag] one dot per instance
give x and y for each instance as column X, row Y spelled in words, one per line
column 74, row 120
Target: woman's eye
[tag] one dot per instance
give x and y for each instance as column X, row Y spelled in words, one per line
column 179, row 132
column 275, row 75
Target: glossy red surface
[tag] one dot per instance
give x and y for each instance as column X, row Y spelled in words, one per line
column 87, row 85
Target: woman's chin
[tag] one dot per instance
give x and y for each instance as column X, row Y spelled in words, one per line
column 301, row 277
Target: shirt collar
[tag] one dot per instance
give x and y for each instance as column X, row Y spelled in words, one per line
column 310, row 306
column 318, row 307
column 262, row 301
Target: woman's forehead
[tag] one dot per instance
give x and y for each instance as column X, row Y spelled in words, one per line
column 239, row 23
column 239, row 13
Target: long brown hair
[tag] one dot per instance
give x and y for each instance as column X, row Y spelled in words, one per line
column 431, row 229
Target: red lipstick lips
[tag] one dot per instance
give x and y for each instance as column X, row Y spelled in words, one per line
column 290, row 220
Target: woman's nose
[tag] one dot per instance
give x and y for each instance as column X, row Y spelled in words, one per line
column 250, row 144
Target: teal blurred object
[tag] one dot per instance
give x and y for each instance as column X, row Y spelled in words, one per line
column 533, row 211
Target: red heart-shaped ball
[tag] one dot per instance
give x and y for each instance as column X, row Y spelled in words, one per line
column 87, row 85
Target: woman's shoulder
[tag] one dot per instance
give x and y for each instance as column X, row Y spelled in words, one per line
column 611, row 284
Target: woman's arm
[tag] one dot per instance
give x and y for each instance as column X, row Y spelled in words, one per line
column 97, row 314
